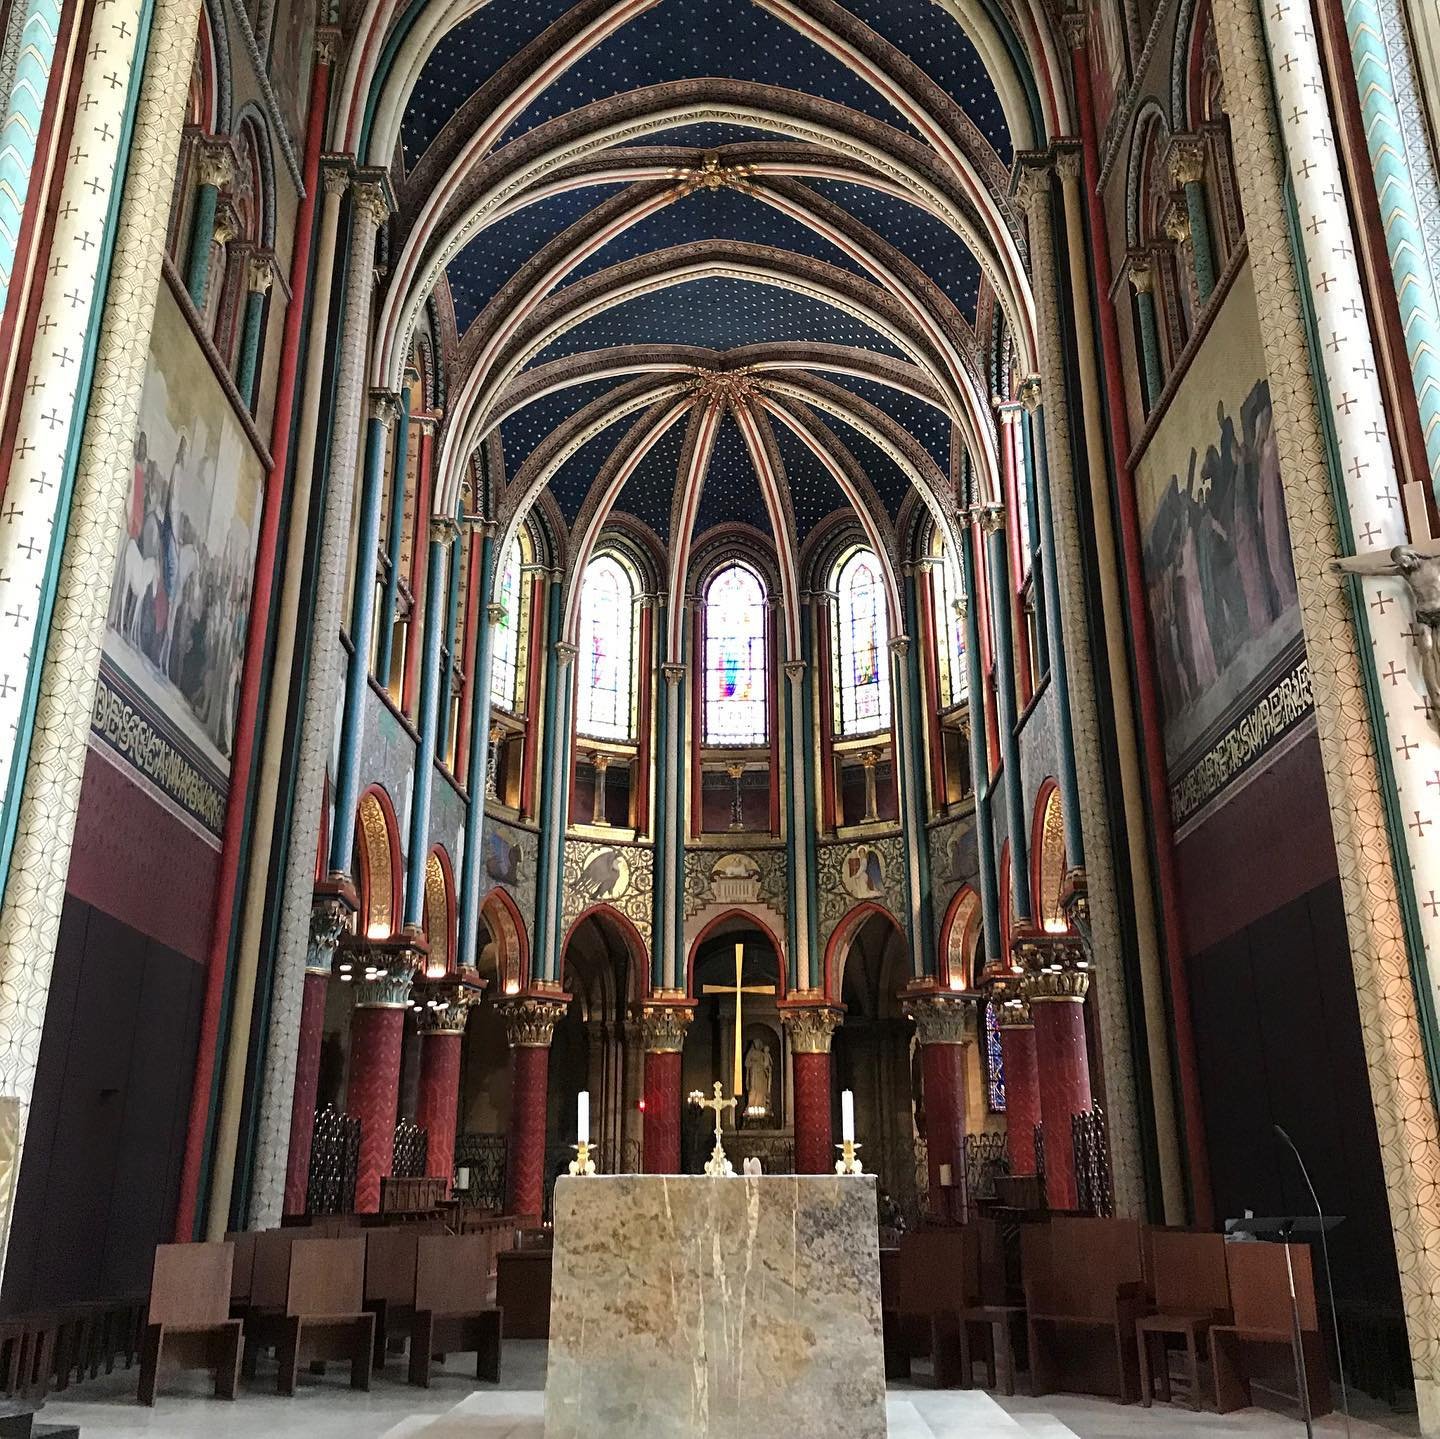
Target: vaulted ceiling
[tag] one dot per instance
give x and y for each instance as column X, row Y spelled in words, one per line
column 705, row 263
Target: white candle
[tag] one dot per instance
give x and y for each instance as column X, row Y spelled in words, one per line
column 583, row 1119
column 847, row 1116
column 462, row 1178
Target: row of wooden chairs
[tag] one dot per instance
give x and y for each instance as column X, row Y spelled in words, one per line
column 50, row 1349
column 1101, row 1301
column 320, row 1299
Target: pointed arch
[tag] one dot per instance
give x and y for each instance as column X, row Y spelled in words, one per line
column 378, row 846
column 439, row 913
column 842, row 940
column 506, row 925
column 751, row 914
column 1047, row 859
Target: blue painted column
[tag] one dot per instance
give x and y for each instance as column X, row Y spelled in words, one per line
column 1152, row 377
column 663, row 798
column 979, row 759
column 799, row 780
column 992, row 522
column 554, row 791
column 442, row 545
column 670, row 852
column 458, row 564
column 910, row 776
column 213, row 166
column 259, row 273
column 1068, row 779
column 362, row 629
column 472, row 864
column 394, row 542
column 1187, row 169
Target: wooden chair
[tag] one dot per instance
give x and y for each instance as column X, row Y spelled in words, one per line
column 324, row 1314
column 935, row 1272
column 1260, row 1297
column 242, row 1275
column 522, row 1290
column 189, row 1325
column 390, row 1257
column 1083, row 1293
column 1192, row 1292
column 985, row 1323
column 451, row 1315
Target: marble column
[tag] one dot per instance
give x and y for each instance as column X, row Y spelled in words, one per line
column 317, row 710
column 443, row 1015
column 1142, row 277
column 1187, row 169
column 259, row 276
column 377, row 1039
column 810, row 1029
column 1022, row 1078
column 530, row 1025
column 1363, row 765
column 214, row 167
column 329, row 921
column 1056, row 985
column 1097, row 874
column 58, row 692
column 945, row 1027
column 663, row 1026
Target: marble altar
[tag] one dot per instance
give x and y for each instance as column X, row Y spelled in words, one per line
column 698, row 1308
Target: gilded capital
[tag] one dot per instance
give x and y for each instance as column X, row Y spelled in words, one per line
column 260, row 272
column 530, row 1023
column 1014, row 1012
column 389, row 972
column 663, row 1026
column 371, row 202
column 942, row 1017
column 329, row 920
column 812, row 1027
column 1186, row 158
column 565, row 652
column 444, row 1008
column 1141, row 275
column 1030, row 393
column 384, row 406
column 1177, row 221
column 214, row 163
column 1058, row 986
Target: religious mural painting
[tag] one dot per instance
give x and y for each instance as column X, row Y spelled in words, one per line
column 756, row 876
column 1224, row 618
column 180, row 600
column 1109, row 58
column 291, row 47
column 621, row 876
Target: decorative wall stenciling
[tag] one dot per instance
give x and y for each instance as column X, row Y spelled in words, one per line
column 953, row 860
column 756, row 876
column 510, row 863
column 620, row 876
column 872, row 871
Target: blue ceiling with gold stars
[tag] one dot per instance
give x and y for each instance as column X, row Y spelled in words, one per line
column 728, row 40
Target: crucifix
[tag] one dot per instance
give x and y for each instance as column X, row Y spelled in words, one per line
column 718, row 1167
column 739, row 990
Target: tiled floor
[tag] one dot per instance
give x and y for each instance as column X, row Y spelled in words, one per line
column 455, row 1408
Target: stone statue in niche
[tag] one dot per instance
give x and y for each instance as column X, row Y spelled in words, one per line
column 1419, row 570
column 759, row 1073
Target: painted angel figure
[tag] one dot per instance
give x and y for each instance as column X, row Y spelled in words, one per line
column 1420, row 573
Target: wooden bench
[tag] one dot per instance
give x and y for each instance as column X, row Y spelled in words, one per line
column 188, row 1324
column 1191, row 1290
column 451, row 1313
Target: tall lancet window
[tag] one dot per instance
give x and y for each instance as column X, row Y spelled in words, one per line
column 504, row 666
column 605, row 696
column 736, row 673
column 862, row 654
column 948, row 595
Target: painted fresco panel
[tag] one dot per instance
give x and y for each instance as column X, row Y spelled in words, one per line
column 1225, row 623
column 291, row 52
column 180, row 601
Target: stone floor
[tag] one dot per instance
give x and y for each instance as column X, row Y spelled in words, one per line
column 326, row 1408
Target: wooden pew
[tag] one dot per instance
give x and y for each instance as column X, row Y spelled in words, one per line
column 189, row 1324
column 390, row 1258
column 1191, row 1288
column 243, row 1272
column 938, row 1273
column 522, row 1290
column 985, row 1318
column 451, row 1313
column 1260, row 1297
column 324, row 1314
column 1083, row 1293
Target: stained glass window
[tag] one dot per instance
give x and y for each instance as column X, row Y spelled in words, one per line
column 946, row 592
column 862, row 637
column 605, row 695
column 504, row 669
column 736, row 676
column 994, row 1062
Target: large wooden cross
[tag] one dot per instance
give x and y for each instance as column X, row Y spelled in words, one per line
column 738, row 989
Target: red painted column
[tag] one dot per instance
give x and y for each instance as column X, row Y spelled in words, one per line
column 1022, row 1084
column 663, row 1027
column 377, row 1037
column 810, row 1029
column 945, row 1026
column 530, row 1024
column 307, row 1086
column 1057, row 1002
column 438, row 1101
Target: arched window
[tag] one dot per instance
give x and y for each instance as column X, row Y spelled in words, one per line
column 606, row 691
column 736, row 674
column 994, row 1062
column 862, row 638
column 949, row 625
column 505, row 668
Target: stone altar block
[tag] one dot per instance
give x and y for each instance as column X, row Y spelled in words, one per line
column 725, row 1308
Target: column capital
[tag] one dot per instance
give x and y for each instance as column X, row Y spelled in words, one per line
column 941, row 1016
column 663, row 1026
column 811, row 1027
column 227, row 223
column 673, row 672
column 1176, row 222
column 1058, row 986
column 1032, row 185
column 1031, row 393
column 1075, row 26
column 445, row 1004
column 566, row 653
column 260, row 272
column 991, row 518
column 1067, row 164
column 214, row 163
column 371, row 200
column 443, row 529
column 1186, row 159
column 334, row 906
column 795, row 670
column 1142, row 277
column 384, row 406
column 335, row 175
column 1014, row 1012
column 390, row 968
column 900, row 646
column 530, row 1020
column 327, row 44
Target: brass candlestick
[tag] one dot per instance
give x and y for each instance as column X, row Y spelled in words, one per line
column 582, row 1163
column 848, row 1163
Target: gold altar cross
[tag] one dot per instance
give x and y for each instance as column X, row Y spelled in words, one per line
column 739, row 989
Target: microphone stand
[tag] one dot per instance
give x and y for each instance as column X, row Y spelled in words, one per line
column 1329, row 1281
